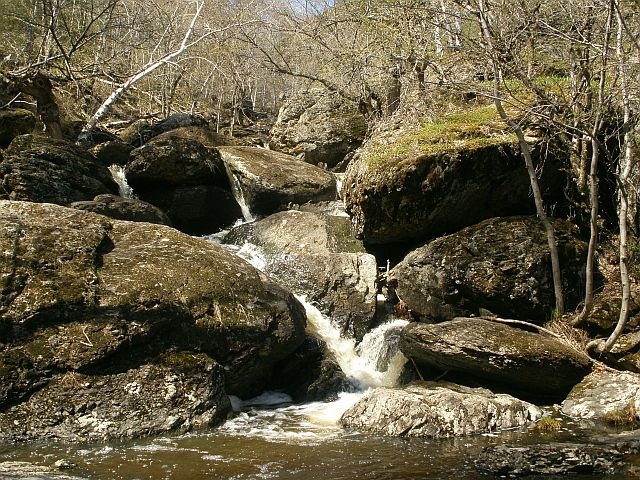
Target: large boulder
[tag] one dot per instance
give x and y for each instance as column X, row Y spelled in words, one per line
column 204, row 135
column 318, row 126
column 112, row 152
column 417, row 183
column 41, row 169
column 501, row 265
column 14, row 122
column 497, row 355
column 608, row 396
column 82, row 292
column 437, row 409
column 269, row 181
column 176, row 392
column 186, row 180
column 318, row 257
column 120, row 208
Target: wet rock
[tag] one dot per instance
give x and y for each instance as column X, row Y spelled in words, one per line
column 311, row 374
column 498, row 355
column 417, row 183
column 318, row 126
column 437, row 409
column 609, row 396
column 176, row 393
column 318, row 257
column 14, row 122
column 270, row 181
column 41, row 169
column 120, row 208
column 501, row 265
column 187, row 181
column 555, row 459
column 81, row 290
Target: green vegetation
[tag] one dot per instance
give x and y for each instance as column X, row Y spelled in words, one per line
column 472, row 129
column 547, row 425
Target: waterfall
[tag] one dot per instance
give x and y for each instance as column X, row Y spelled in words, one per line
column 376, row 362
column 236, row 189
column 119, row 175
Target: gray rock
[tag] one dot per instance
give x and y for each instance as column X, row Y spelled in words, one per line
column 318, row 126
column 501, row 265
column 317, row 256
column 270, row 181
column 41, row 169
column 119, row 208
column 81, row 291
column 497, row 354
column 141, row 131
column 437, row 409
column 606, row 396
column 178, row 392
column 112, row 152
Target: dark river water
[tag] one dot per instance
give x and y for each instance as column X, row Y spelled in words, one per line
column 289, row 443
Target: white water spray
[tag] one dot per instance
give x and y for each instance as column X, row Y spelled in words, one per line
column 119, row 176
column 236, row 189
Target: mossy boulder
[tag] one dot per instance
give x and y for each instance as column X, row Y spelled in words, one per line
column 14, row 122
column 501, row 265
column 120, row 208
column 41, row 169
column 416, row 183
column 82, row 292
column 497, row 356
column 319, row 127
column 143, row 130
column 186, row 180
column 269, row 181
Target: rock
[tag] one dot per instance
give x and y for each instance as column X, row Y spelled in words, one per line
column 319, row 126
column 187, row 181
column 318, row 257
column 270, row 181
column 554, row 459
column 499, row 355
column 14, row 122
column 112, row 152
column 608, row 396
column 501, row 265
column 82, row 291
column 204, row 135
column 141, row 131
column 175, row 161
column 119, row 208
column 418, row 183
column 41, row 169
column 624, row 355
column 311, row 374
column 177, row 393
column 437, row 409
column 10, row 470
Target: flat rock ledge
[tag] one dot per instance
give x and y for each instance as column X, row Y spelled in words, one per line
column 555, row 459
column 437, row 409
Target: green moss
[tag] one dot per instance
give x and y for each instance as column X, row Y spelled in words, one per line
column 472, row 129
column 547, row 424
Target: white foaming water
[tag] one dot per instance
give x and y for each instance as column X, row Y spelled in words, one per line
column 119, row 175
column 361, row 365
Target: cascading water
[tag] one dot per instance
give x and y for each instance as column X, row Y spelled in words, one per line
column 119, row 176
column 236, row 189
